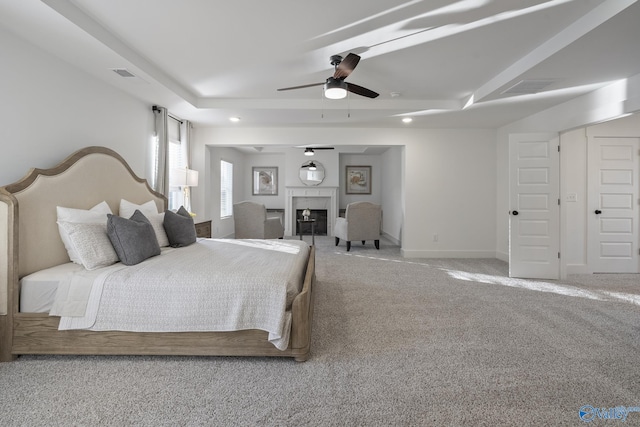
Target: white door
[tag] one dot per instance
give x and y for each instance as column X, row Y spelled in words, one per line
column 613, row 205
column 534, row 214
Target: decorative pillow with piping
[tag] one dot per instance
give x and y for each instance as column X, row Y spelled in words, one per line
column 150, row 210
column 180, row 228
column 95, row 215
column 90, row 243
column 133, row 239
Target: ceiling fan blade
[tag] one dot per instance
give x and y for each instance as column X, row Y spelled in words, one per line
column 301, row 87
column 345, row 67
column 359, row 90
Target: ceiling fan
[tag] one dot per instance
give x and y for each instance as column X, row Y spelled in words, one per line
column 335, row 87
column 310, row 151
column 311, row 165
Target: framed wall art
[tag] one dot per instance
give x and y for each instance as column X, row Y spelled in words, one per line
column 358, row 180
column 265, row 180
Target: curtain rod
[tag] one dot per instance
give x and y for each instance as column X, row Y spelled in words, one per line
column 156, row 108
column 175, row 118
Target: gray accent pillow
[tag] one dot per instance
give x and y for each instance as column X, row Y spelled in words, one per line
column 180, row 228
column 133, row 239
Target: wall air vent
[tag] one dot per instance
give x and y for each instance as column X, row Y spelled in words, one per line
column 123, row 72
column 525, row 87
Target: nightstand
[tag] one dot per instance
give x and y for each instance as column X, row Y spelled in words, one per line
column 203, row 229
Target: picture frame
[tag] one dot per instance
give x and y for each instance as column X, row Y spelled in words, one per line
column 265, row 180
column 358, row 180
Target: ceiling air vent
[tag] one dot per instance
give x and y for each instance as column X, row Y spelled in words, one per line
column 524, row 87
column 123, row 72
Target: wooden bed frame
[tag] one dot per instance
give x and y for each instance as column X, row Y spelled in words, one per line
column 29, row 241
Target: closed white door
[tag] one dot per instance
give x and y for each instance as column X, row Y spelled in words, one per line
column 613, row 205
column 534, row 214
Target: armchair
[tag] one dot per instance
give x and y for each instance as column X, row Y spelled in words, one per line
column 361, row 221
column 251, row 222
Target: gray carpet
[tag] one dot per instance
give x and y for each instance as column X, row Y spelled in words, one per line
column 395, row 342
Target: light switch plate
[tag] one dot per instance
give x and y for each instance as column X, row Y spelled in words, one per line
column 571, row 197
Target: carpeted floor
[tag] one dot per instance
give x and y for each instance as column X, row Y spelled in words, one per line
column 429, row 342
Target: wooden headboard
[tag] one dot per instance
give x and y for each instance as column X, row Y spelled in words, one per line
column 28, row 229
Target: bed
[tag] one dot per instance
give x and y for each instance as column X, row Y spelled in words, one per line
column 30, row 243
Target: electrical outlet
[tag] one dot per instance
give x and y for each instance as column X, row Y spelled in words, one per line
column 435, row 237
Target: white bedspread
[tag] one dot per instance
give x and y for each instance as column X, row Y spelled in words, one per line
column 211, row 285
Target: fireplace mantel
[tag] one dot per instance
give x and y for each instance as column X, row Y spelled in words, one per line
column 330, row 193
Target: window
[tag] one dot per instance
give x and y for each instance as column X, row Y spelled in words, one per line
column 226, row 189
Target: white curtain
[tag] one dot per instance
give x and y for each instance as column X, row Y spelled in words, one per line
column 185, row 140
column 172, row 137
column 160, row 173
column 176, row 161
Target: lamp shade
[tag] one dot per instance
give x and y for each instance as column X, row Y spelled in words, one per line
column 183, row 177
column 192, row 178
column 335, row 89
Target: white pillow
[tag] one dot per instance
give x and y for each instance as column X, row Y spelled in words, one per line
column 127, row 208
column 95, row 215
column 150, row 210
column 90, row 243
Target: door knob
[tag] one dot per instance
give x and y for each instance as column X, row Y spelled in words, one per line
column 514, row 212
column 598, row 211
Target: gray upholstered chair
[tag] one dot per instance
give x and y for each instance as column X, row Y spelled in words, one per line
column 361, row 221
column 251, row 222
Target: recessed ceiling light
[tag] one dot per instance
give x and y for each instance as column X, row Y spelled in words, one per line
column 407, row 120
column 234, row 119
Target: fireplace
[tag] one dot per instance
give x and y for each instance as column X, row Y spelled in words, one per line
column 312, row 198
column 320, row 215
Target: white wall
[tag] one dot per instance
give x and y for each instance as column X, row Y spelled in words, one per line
column 448, row 177
column 296, row 158
column 49, row 109
column 221, row 227
column 377, row 172
column 277, row 160
column 615, row 100
column 391, row 185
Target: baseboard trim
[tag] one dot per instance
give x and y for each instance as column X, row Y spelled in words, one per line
column 578, row 269
column 502, row 256
column 391, row 239
column 447, row 254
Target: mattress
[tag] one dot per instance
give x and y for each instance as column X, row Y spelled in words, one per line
column 38, row 290
column 211, row 285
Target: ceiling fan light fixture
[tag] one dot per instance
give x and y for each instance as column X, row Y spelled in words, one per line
column 335, row 88
column 308, row 152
